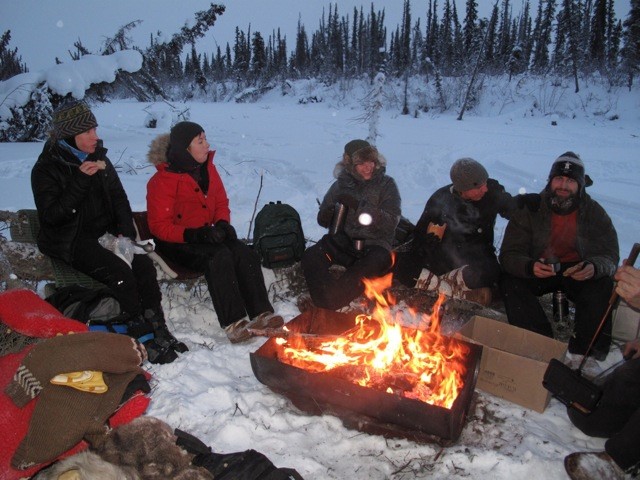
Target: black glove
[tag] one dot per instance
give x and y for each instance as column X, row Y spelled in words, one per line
column 349, row 201
column 228, row 229
column 529, row 200
column 204, row 234
column 426, row 245
column 325, row 216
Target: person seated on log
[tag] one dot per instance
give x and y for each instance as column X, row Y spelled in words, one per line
column 79, row 198
column 452, row 251
column 569, row 244
column 361, row 209
column 189, row 217
column 617, row 416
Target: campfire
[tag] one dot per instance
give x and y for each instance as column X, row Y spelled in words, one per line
column 379, row 353
column 373, row 371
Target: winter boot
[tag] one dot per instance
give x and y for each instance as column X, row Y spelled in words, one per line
column 156, row 353
column 162, row 333
column 452, row 285
column 239, row 331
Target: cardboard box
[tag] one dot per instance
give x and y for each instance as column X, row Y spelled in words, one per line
column 626, row 322
column 513, row 360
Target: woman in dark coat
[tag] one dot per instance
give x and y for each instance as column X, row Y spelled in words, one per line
column 79, row 198
column 362, row 246
column 189, row 216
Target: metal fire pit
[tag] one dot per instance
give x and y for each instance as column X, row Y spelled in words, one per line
column 361, row 408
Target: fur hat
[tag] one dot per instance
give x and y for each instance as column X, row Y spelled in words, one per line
column 182, row 134
column 354, row 145
column 71, row 119
column 467, row 174
column 357, row 152
column 570, row 165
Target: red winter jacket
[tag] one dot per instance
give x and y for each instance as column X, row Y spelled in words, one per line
column 176, row 202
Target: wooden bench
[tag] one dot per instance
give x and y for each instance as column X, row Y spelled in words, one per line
column 26, row 228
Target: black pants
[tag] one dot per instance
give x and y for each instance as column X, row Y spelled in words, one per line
column 617, row 416
column 135, row 287
column 590, row 297
column 483, row 270
column 328, row 292
column 233, row 273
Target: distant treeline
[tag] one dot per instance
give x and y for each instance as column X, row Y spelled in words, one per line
column 568, row 38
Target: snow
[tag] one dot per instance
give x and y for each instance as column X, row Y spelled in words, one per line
column 74, row 78
column 291, row 150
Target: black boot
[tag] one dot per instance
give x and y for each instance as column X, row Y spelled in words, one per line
column 156, row 352
column 162, row 333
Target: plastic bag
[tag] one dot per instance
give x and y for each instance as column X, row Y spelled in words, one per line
column 124, row 247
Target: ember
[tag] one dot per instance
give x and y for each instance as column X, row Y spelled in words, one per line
column 381, row 354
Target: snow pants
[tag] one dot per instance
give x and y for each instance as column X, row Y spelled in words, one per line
column 135, row 287
column 233, row 273
column 617, row 416
column 328, row 292
column 591, row 298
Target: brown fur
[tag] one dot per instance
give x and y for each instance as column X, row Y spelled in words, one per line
column 87, row 466
column 347, row 164
column 158, row 149
column 148, row 446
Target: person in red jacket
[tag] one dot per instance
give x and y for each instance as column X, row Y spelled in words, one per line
column 188, row 214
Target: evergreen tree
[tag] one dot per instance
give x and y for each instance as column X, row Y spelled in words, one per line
column 300, row 60
column 10, row 63
column 631, row 49
column 491, row 59
column 598, row 40
column 542, row 34
column 258, row 58
column 470, row 28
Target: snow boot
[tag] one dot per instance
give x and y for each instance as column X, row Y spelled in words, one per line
column 452, row 285
column 162, row 334
column 156, row 353
column 239, row 331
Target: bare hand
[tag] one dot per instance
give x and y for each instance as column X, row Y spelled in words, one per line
column 543, row 270
column 89, row 168
column 628, row 286
column 632, row 349
column 580, row 271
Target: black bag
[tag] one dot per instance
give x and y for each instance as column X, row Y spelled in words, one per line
column 570, row 387
column 96, row 307
column 278, row 236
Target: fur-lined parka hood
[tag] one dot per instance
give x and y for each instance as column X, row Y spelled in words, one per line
column 346, row 164
column 157, row 153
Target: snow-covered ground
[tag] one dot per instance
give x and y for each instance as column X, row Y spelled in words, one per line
column 211, row 390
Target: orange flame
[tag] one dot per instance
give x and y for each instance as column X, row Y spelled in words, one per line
column 380, row 353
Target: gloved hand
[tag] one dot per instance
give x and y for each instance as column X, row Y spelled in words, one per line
column 204, row 234
column 349, row 200
column 529, row 200
column 228, row 229
column 325, row 216
column 428, row 244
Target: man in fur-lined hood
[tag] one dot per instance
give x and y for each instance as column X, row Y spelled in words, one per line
column 363, row 243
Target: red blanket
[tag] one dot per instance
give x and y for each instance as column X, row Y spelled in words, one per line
column 26, row 313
